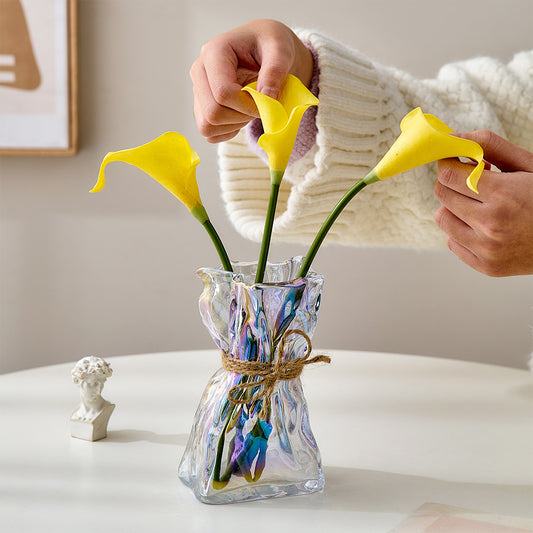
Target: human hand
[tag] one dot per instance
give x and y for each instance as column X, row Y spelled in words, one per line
column 262, row 50
column 492, row 231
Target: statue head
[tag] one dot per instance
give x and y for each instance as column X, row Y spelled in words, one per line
column 90, row 374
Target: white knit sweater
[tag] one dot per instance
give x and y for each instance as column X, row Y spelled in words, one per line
column 361, row 106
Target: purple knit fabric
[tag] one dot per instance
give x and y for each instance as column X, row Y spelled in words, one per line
column 305, row 138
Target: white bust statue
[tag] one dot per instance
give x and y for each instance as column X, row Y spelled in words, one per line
column 89, row 420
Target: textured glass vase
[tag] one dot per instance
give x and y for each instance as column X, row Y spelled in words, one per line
column 249, row 451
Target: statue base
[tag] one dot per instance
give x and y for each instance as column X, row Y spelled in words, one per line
column 92, row 430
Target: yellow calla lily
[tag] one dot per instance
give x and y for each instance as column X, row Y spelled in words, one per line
column 168, row 159
column 281, row 119
column 425, row 138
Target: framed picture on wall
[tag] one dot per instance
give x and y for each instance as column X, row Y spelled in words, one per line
column 38, row 77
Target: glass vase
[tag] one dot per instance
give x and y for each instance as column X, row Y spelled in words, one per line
column 251, row 437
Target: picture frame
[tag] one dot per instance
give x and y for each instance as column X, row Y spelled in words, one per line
column 38, row 77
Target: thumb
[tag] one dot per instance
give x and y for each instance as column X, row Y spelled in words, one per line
column 508, row 157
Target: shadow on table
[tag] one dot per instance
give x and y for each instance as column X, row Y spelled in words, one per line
column 385, row 492
column 138, row 435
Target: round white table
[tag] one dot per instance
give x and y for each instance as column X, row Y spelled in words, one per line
column 395, row 431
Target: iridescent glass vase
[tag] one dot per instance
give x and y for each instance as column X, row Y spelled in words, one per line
column 261, row 447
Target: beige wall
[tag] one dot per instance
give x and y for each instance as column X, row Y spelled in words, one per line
column 113, row 273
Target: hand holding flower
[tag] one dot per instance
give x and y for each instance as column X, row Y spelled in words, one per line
column 261, row 50
column 491, row 231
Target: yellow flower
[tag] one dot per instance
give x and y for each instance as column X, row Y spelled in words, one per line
column 281, row 119
column 425, row 138
column 170, row 161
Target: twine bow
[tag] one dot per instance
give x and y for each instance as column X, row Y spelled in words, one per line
column 270, row 373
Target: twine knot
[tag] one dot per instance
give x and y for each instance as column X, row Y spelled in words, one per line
column 270, row 373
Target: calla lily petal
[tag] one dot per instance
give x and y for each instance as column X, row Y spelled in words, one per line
column 425, row 138
column 281, row 119
column 169, row 160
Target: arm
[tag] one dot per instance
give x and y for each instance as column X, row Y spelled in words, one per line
column 361, row 105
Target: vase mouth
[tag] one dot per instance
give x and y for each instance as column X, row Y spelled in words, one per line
column 282, row 273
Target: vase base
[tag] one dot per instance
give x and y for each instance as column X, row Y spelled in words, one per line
column 257, row 491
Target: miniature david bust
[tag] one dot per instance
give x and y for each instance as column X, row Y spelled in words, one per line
column 89, row 420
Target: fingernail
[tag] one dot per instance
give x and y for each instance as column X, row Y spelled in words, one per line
column 270, row 91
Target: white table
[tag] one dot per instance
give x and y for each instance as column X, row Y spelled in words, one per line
column 395, row 431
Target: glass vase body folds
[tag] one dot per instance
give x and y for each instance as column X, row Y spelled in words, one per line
column 234, row 454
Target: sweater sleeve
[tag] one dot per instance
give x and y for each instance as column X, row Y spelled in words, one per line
column 361, row 106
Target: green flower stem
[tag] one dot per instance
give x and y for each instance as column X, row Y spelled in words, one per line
column 226, row 263
column 200, row 214
column 218, row 482
column 337, row 210
column 275, row 178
